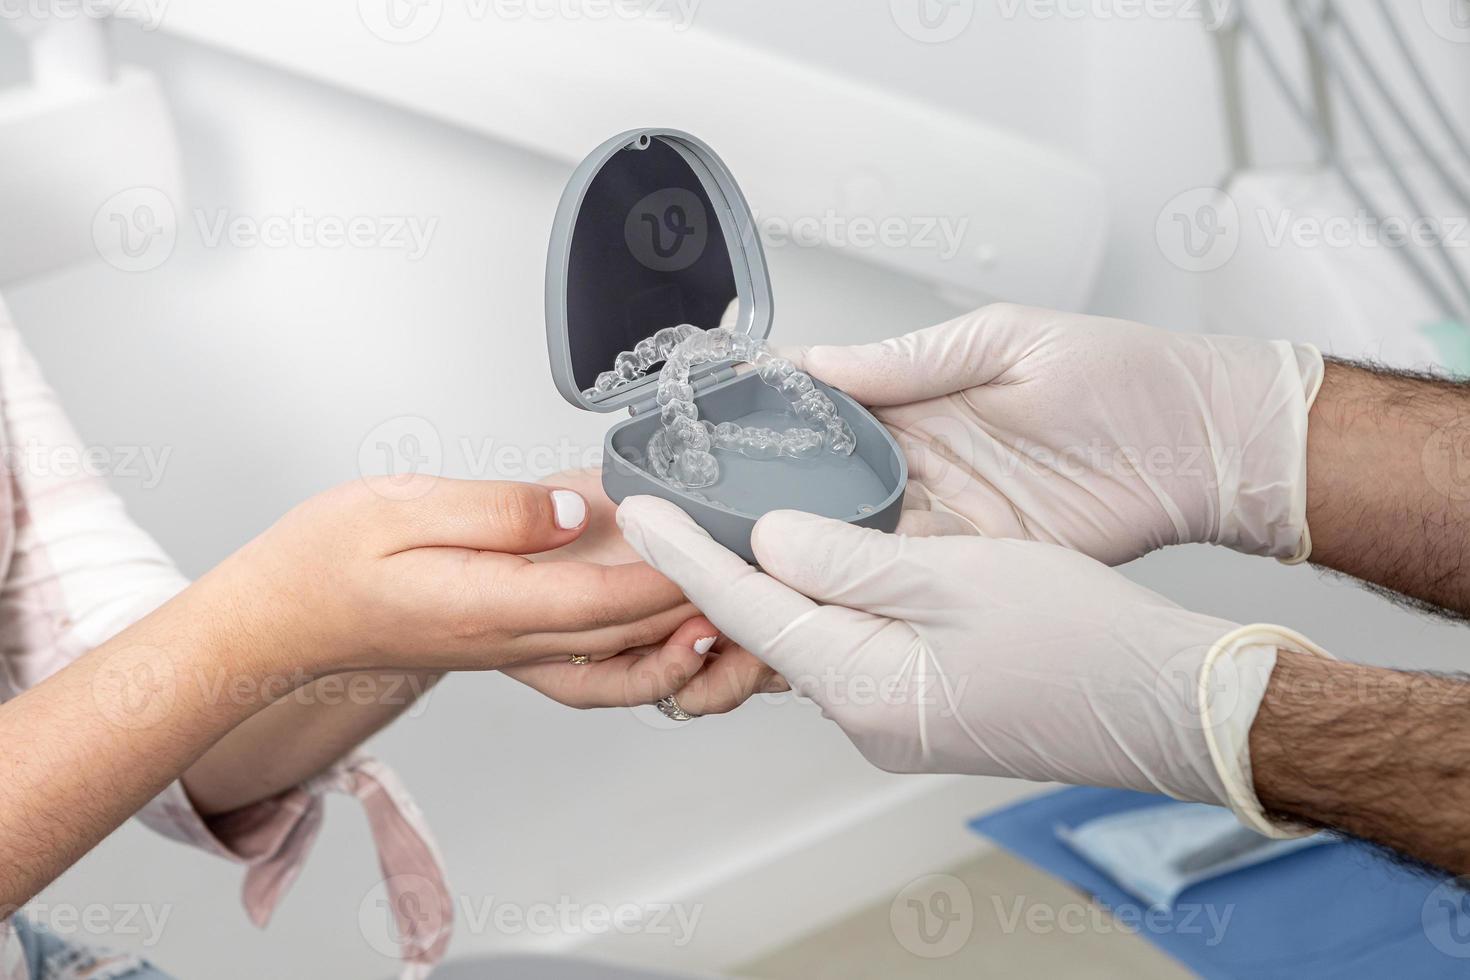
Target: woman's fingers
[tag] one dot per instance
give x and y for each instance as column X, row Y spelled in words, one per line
column 572, row 596
column 633, row 679
column 730, row 678
column 486, row 515
column 607, row 641
column 627, row 679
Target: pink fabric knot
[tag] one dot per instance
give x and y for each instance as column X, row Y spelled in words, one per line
column 275, row 836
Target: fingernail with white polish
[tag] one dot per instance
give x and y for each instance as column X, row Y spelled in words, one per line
column 704, row 644
column 571, row 509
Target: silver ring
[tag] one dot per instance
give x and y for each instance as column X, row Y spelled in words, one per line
column 669, row 708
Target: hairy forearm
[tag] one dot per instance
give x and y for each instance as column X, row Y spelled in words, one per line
column 1388, row 483
column 1380, row 754
column 92, row 744
column 300, row 735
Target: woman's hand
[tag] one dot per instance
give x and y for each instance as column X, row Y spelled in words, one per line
column 427, row 573
column 706, row 673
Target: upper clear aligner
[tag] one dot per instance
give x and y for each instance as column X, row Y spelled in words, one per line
column 679, row 452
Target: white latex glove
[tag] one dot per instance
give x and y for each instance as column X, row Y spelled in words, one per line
column 1109, row 437
column 964, row 654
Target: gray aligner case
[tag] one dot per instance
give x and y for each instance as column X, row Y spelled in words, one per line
column 651, row 232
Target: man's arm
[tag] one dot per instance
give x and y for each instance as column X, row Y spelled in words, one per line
column 1388, row 483
column 1380, row 754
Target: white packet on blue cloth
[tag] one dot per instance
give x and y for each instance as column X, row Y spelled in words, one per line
column 1155, row 852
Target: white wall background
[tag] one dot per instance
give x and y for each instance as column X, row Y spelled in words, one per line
column 261, row 371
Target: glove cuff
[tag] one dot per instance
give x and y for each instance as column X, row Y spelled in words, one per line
column 1240, row 664
column 1309, row 362
column 1265, row 511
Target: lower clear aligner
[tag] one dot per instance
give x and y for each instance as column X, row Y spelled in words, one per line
column 680, row 451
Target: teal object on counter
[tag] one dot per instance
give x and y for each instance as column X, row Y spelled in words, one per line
column 1452, row 340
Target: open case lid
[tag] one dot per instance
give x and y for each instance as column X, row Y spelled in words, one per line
column 652, row 231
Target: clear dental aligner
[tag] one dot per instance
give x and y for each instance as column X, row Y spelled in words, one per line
column 680, row 451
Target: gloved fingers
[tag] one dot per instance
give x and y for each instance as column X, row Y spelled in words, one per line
column 991, row 488
column 750, row 608
column 891, row 575
column 918, row 518
column 933, row 524
column 970, row 350
column 796, row 636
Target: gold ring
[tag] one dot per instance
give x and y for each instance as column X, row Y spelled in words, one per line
column 581, row 659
